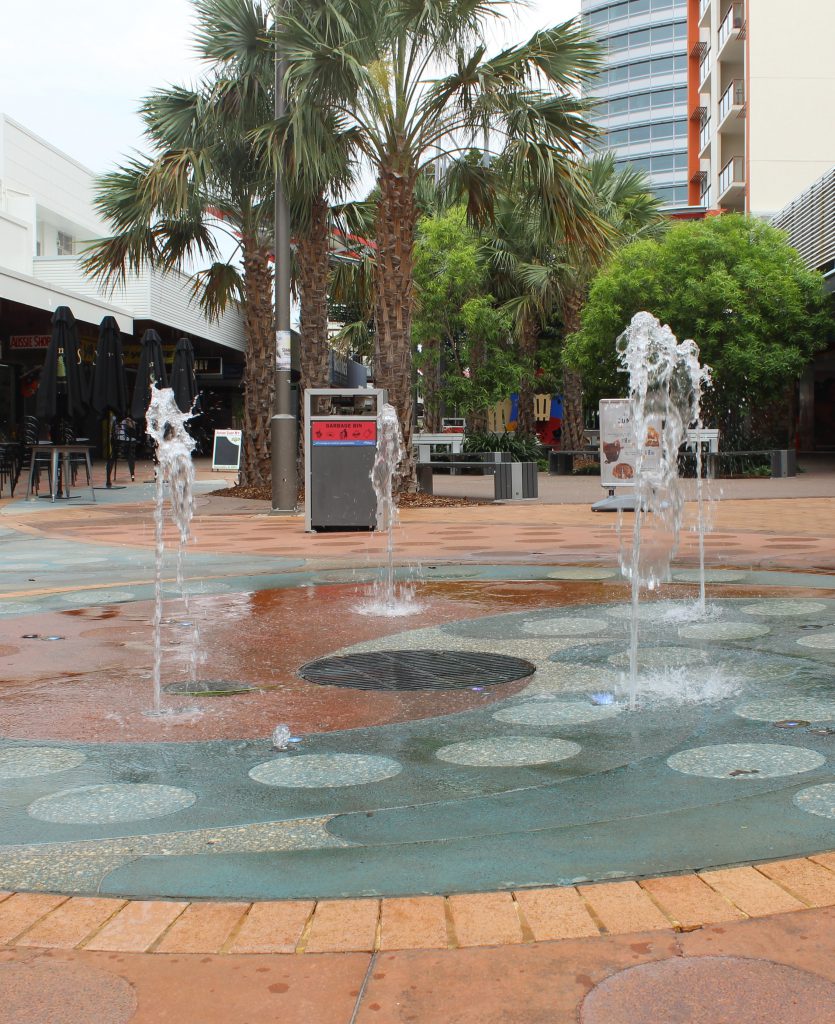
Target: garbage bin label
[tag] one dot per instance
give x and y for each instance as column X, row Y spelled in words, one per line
column 344, row 432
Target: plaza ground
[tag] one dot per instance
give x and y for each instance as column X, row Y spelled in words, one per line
column 380, row 942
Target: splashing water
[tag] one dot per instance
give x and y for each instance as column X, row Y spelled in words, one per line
column 389, row 599
column 174, row 445
column 665, row 387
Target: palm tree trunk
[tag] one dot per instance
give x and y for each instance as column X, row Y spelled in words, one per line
column 431, row 386
column 477, row 418
column 312, row 258
column 525, row 420
column 259, row 373
column 572, row 387
column 395, row 238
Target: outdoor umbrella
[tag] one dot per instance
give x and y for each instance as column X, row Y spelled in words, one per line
column 109, row 390
column 151, row 371
column 60, row 392
column 182, row 375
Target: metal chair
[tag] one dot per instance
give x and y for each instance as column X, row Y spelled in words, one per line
column 31, row 437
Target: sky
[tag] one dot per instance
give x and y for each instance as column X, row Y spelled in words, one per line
column 74, row 73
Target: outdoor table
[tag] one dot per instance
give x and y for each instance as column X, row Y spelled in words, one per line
column 426, row 442
column 62, row 453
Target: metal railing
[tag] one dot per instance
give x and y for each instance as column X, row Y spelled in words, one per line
column 706, row 198
column 703, row 6
column 704, row 66
column 733, row 21
column 704, row 134
column 733, row 96
column 733, row 173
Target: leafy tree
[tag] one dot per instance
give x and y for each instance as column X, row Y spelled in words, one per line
column 731, row 283
column 373, row 61
column 463, row 341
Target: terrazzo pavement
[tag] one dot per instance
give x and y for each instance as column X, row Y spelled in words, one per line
column 494, row 951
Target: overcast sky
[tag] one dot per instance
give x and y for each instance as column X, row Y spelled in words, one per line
column 75, row 72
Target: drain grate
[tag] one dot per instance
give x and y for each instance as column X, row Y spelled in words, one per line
column 416, row 670
column 208, row 688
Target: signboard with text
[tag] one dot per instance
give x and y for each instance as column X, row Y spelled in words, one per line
column 344, row 432
column 618, row 449
column 226, row 451
column 26, row 342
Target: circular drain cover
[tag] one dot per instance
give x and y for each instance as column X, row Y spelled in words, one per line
column 416, row 670
column 208, row 688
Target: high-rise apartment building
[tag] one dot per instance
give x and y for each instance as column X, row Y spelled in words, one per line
column 643, row 110
column 762, row 94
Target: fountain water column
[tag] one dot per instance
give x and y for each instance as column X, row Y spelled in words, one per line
column 174, row 445
column 389, row 455
column 665, row 381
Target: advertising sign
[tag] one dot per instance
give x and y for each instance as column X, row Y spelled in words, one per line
column 344, row 432
column 18, row 342
column 618, row 449
column 226, row 450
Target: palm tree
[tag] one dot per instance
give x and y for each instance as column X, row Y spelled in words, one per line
column 625, row 204
column 209, row 174
column 371, row 63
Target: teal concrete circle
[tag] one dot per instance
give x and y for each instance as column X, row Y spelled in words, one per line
column 723, row 631
column 103, row 805
column 786, row 608
column 818, row 800
column 775, row 709
column 553, row 712
column 22, row 762
column 819, row 641
column 565, row 625
column 745, row 761
column 582, row 572
column 325, row 771
column 508, row 751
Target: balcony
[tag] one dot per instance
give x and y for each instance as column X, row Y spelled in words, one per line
column 732, row 103
column 706, row 198
column 732, row 183
column 731, row 33
column 704, row 8
column 704, row 71
column 704, row 137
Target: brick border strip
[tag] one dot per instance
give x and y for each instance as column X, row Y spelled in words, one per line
column 679, row 902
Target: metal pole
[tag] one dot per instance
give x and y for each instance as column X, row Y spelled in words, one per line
column 283, row 422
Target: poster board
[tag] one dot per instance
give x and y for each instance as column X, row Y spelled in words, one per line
column 618, row 448
column 226, row 450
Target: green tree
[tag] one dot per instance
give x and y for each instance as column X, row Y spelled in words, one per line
column 375, row 63
column 731, row 283
column 462, row 340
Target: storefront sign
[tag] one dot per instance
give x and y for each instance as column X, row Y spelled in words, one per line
column 344, row 432
column 22, row 342
column 618, row 450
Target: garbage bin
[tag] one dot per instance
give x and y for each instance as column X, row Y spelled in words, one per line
column 340, row 446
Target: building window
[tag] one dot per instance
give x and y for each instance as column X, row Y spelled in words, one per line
column 65, row 244
column 644, row 69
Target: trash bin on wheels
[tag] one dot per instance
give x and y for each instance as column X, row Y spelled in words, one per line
column 340, row 446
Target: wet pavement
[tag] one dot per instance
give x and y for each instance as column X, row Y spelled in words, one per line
column 535, row 776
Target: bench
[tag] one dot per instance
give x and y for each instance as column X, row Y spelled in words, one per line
column 424, row 443
column 511, row 480
column 783, row 460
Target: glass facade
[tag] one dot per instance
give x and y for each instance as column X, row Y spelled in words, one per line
column 642, row 91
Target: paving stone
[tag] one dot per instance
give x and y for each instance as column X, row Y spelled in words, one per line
column 751, row 891
column 343, row 925
column 623, row 907
column 485, row 919
column 689, row 901
column 71, row 923
column 202, row 928
column 556, row 914
column 273, row 927
column 137, row 926
column 21, row 910
column 414, row 923
column 809, row 882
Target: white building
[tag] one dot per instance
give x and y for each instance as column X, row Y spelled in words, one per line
column 762, row 81
column 46, row 217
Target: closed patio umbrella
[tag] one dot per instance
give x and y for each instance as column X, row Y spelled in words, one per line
column 110, row 390
column 151, row 371
column 60, row 392
column 182, row 375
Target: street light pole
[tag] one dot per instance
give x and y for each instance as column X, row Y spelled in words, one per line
column 283, row 422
